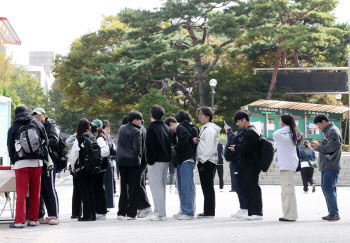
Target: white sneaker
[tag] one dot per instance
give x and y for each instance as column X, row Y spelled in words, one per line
column 177, row 215
column 306, row 192
column 100, row 216
column 240, row 213
column 145, row 213
column 254, row 217
column 221, row 190
column 185, row 217
column 157, row 218
column 120, row 217
column 33, row 223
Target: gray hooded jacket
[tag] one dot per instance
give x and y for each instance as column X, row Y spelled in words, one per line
column 330, row 149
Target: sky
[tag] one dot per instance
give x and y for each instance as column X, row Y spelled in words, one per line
column 44, row 25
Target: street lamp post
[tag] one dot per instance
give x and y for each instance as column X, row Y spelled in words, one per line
column 212, row 84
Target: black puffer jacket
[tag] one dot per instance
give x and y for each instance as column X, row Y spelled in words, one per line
column 22, row 117
column 158, row 142
column 129, row 148
column 185, row 147
column 53, row 134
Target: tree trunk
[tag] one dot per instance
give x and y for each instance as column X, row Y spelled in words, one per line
column 200, row 80
column 275, row 71
column 296, row 59
column 284, row 61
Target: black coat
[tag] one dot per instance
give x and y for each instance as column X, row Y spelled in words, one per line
column 12, row 134
column 185, row 147
column 158, row 143
column 249, row 149
column 53, row 134
column 129, row 148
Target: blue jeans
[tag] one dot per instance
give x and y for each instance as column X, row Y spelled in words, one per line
column 329, row 179
column 185, row 187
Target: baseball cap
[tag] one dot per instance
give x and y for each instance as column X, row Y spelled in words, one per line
column 306, row 142
column 38, row 111
column 97, row 122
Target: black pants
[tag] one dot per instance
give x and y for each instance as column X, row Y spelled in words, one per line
column 220, row 170
column 100, row 193
column 306, row 174
column 109, row 187
column 238, row 178
column 129, row 190
column 253, row 191
column 143, row 201
column 206, row 176
column 86, row 185
column 48, row 194
column 232, row 173
column 76, row 198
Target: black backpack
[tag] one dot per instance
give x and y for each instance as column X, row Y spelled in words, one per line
column 91, row 160
column 267, row 153
column 29, row 141
column 62, row 156
column 228, row 153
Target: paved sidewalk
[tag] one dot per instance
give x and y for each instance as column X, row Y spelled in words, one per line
column 222, row 228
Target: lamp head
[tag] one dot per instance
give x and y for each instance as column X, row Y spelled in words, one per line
column 213, row 83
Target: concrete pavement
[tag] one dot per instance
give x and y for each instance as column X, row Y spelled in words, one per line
column 222, row 228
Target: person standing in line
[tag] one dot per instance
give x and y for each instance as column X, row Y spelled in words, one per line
column 109, row 186
column 237, row 174
column 99, row 182
column 129, row 155
column 220, row 166
column 249, row 152
column 288, row 138
column 206, row 151
column 330, row 151
column 144, row 208
column 158, row 152
column 186, row 156
column 48, row 190
column 76, row 197
column 173, row 163
column 307, row 154
column 28, row 162
column 85, row 180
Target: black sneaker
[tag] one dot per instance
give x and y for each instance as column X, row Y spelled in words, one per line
column 85, row 219
column 313, row 187
column 75, row 216
column 203, row 215
column 286, row 220
column 331, row 217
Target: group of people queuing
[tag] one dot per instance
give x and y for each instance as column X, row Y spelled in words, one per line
column 174, row 140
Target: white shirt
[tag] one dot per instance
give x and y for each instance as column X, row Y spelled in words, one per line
column 208, row 143
column 287, row 158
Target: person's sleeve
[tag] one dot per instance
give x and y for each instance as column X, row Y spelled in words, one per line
column 230, row 136
column 182, row 141
column 71, row 139
column 247, row 144
column 43, row 134
column 74, row 153
column 136, row 143
column 104, row 147
column 54, row 135
column 210, row 145
column 149, row 144
column 333, row 143
column 11, row 144
column 281, row 136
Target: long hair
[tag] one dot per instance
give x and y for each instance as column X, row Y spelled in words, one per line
column 296, row 135
column 83, row 126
